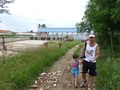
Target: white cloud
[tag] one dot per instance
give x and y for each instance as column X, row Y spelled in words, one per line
column 27, row 14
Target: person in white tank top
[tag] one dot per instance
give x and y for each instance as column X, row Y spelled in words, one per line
column 91, row 53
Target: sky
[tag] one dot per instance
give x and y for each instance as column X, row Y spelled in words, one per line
column 27, row 14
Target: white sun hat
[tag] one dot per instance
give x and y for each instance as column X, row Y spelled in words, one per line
column 91, row 36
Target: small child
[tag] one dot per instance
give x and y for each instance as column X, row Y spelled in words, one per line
column 74, row 66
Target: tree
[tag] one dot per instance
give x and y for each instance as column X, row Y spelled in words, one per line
column 39, row 25
column 83, row 26
column 103, row 17
column 31, row 31
column 3, row 7
column 42, row 26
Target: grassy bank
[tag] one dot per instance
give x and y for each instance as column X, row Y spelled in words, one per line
column 21, row 70
column 77, row 52
column 108, row 71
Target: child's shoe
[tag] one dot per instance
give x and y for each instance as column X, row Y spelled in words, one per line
column 76, row 85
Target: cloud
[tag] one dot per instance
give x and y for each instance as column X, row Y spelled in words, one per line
column 27, row 14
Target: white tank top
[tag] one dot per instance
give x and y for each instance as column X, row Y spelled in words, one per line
column 90, row 52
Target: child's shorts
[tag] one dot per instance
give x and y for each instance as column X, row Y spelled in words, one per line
column 75, row 72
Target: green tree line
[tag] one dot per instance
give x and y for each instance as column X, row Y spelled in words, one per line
column 103, row 18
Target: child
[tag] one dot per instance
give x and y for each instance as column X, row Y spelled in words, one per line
column 75, row 69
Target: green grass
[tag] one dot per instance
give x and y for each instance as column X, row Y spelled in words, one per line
column 21, row 70
column 77, row 52
column 108, row 72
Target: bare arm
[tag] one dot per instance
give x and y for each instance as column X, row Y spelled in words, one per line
column 97, row 52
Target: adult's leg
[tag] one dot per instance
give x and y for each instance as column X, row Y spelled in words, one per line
column 84, row 77
column 90, row 79
column 92, row 72
column 84, row 71
column 84, row 81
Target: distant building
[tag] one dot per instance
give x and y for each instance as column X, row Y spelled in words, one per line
column 25, row 34
column 48, row 31
column 57, row 30
column 6, row 32
column 56, row 33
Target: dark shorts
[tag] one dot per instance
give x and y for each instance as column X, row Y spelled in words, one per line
column 89, row 67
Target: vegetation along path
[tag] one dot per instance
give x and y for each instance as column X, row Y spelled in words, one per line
column 59, row 76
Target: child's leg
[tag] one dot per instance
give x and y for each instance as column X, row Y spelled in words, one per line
column 73, row 78
column 73, row 73
column 76, row 78
column 76, row 75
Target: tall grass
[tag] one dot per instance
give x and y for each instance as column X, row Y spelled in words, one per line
column 21, row 70
column 77, row 52
column 108, row 71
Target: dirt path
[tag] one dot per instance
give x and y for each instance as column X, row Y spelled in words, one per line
column 59, row 76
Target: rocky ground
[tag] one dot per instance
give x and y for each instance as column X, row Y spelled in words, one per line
column 59, row 76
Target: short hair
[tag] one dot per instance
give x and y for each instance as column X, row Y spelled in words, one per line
column 75, row 56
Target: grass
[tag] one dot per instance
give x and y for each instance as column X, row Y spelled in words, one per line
column 108, row 72
column 21, row 70
column 77, row 52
